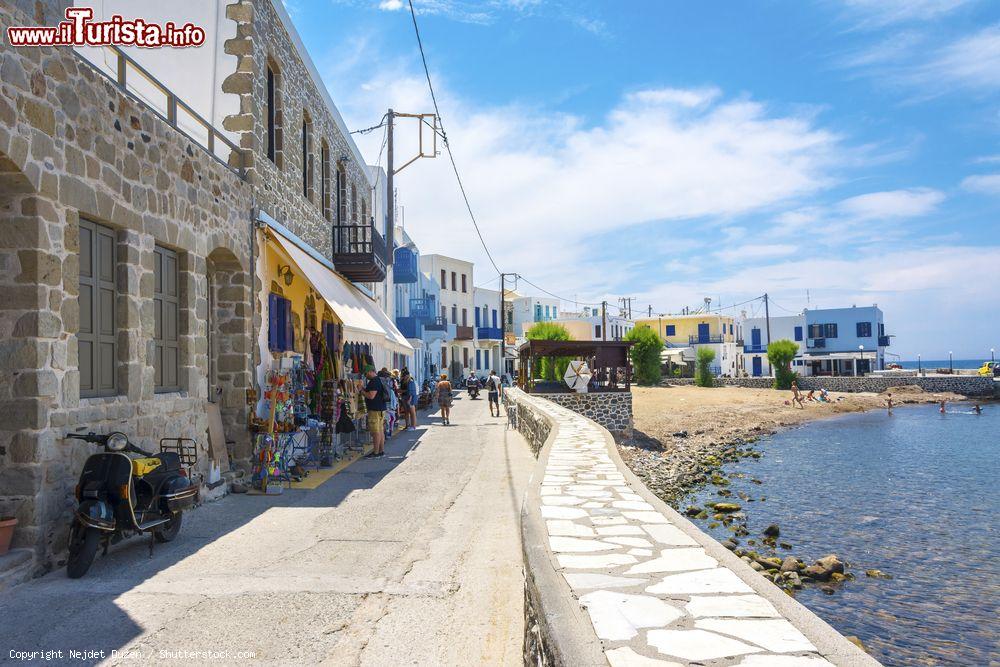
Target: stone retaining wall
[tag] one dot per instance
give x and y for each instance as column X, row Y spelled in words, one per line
column 612, row 410
column 958, row 384
column 614, row 576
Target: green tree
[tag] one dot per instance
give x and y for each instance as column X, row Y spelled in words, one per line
column 780, row 354
column 547, row 370
column 703, row 374
column 645, row 354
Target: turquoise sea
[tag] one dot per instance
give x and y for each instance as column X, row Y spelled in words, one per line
column 931, row 364
column 913, row 494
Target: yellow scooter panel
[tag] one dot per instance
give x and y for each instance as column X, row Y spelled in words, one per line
column 142, row 467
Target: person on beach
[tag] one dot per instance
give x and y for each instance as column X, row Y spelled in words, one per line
column 941, row 409
column 978, row 410
column 796, row 396
column 824, row 396
column 888, row 402
column 444, row 399
column 811, row 395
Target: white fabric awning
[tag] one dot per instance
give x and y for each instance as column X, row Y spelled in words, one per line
column 868, row 354
column 362, row 318
column 669, row 352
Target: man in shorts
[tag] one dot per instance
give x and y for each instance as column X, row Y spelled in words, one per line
column 494, row 386
column 375, row 403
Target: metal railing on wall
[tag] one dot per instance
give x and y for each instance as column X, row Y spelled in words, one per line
column 177, row 113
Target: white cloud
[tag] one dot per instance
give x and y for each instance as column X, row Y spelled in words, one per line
column 972, row 62
column 983, row 183
column 879, row 13
column 390, row 5
column 891, row 204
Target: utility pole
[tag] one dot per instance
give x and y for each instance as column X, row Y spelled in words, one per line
column 604, row 320
column 767, row 318
column 503, row 322
column 390, row 226
column 650, row 311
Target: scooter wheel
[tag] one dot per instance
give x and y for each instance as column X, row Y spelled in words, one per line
column 169, row 530
column 83, row 542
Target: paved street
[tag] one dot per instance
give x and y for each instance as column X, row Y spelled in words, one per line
column 411, row 559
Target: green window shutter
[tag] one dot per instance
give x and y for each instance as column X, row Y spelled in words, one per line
column 166, row 308
column 98, row 332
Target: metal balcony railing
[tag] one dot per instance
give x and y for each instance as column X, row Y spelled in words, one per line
column 489, row 333
column 409, row 326
column 883, row 341
column 174, row 110
column 404, row 266
column 359, row 252
column 705, row 340
column 438, row 324
column 755, row 349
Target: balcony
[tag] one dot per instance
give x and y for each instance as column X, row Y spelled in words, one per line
column 359, row 253
column 705, row 340
column 754, row 349
column 463, row 333
column 436, row 324
column 883, row 341
column 489, row 333
column 422, row 307
column 816, row 342
column 404, row 266
column 409, row 326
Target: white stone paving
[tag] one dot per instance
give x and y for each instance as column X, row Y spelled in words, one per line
column 653, row 594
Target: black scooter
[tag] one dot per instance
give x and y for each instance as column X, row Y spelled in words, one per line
column 120, row 496
column 472, row 384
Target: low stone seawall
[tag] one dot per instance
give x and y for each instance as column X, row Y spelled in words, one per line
column 614, row 576
column 612, row 410
column 965, row 385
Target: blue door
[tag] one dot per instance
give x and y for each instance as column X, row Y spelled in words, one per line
column 755, row 339
column 757, row 372
column 703, row 333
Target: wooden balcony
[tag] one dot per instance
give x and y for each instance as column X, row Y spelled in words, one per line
column 463, row 333
column 359, row 253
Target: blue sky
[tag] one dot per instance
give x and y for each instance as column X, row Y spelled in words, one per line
column 670, row 151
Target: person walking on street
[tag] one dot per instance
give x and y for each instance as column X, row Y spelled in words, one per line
column 408, row 399
column 444, row 399
column 494, row 389
column 376, row 399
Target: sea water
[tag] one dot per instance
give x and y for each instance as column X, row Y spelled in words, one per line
column 913, row 494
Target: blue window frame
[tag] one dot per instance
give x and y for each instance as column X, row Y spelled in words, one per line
column 477, row 316
column 279, row 314
column 555, row 313
column 671, row 330
column 864, row 329
column 479, row 363
column 830, row 330
column 494, row 318
column 546, row 312
column 755, row 337
column 538, row 312
column 798, row 333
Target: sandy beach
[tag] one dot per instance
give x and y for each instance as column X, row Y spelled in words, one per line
column 679, row 427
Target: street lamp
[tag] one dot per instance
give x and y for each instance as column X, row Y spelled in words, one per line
column 951, row 363
column 862, row 348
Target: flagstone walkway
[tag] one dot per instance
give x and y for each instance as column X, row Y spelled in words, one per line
column 653, row 594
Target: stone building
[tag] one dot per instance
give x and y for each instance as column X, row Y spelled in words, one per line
column 132, row 291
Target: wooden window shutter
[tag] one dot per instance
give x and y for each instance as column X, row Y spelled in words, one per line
column 98, row 332
column 166, row 307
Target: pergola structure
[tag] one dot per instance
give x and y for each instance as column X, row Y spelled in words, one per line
column 608, row 360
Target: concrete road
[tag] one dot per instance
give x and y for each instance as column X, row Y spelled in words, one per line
column 411, row 559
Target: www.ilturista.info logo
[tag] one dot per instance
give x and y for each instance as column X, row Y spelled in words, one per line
column 80, row 30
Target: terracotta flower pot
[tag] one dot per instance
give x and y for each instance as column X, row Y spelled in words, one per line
column 6, row 533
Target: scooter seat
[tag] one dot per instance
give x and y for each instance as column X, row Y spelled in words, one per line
column 171, row 460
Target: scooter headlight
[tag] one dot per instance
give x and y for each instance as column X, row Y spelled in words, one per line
column 117, row 442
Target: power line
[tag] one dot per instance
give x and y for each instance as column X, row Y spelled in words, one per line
column 366, row 130
column 444, row 137
column 556, row 296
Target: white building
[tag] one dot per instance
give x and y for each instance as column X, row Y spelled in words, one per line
column 456, row 307
column 590, row 324
column 527, row 310
column 488, row 330
column 755, row 332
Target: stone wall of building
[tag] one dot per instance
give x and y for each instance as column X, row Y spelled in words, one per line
column 966, row 385
column 612, row 410
column 72, row 146
column 261, row 41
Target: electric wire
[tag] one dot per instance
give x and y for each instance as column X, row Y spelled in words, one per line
column 444, row 138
